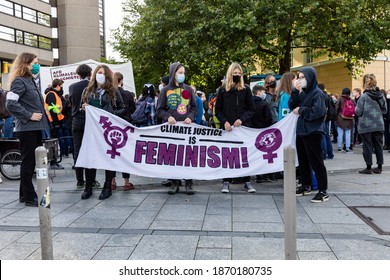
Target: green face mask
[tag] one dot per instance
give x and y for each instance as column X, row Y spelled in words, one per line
column 35, row 68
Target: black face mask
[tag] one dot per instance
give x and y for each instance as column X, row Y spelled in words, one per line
column 272, row 84
column 236, row 78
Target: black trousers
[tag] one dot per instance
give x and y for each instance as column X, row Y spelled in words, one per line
column 310, row 157
column 29, row 141
column 78, row 133
column 373, row 142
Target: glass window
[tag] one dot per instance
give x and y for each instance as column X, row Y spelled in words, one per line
column 6, row 7
column 18, row 11
column 19, row 37
column 45, row 43
column 7, row 33
column 43, row 19
column 30, row 39
column 29, row 14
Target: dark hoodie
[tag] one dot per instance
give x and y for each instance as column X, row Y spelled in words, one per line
column 370, row 107
column 176, row 101
column 311, row 103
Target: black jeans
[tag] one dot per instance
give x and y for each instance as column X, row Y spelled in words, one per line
column 29, row 141
column 372, row 142
column 78, row 133
column 310, row 157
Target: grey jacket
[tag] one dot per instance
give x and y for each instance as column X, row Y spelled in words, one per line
column 24, row 99
column 370, row 109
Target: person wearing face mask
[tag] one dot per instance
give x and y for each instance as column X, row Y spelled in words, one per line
column 309, row 105
column 25, row 102
column 262, row 117
column 101, row 93
column 235, row 107
column 177, row 103
column 270, row 86
column 53, row 108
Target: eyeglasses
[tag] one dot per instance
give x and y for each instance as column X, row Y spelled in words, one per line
column 302, row 77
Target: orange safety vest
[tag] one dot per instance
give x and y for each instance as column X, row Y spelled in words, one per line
column 60, row 116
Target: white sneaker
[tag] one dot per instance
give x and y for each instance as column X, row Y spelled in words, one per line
column 225, row 187
column 248, row 187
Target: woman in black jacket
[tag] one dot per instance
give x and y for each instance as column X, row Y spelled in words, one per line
column 235, row 107
column 102, row 94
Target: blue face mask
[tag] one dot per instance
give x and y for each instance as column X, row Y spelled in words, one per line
column 180, row 78
column 35, row 68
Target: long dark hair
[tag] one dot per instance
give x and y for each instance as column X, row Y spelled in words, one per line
column 108, row 86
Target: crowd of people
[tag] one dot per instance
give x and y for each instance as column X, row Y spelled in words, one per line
column 357, row 118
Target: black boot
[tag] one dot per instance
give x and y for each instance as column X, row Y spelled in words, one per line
column 87, row 193
column 106, row 191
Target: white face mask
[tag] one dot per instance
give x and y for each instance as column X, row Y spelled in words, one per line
column 388, row 96
column 100, row 78
column 303, row 83
column 160, row 87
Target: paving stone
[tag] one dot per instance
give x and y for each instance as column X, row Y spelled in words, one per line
column 326, row 215
column 213, row 254
column 358, row 249
column 9, row 237
column 345, row 229
column 66, row 218
column 19, row 251
column 258, row 227
column 180, row 198
column 223, row 242
column 316, row 256
column 259, row 215
column 249, row 248
column 182, row 212
column 139, row 220
column 253, row 201
column 125, row 199
column 217, row 223
column 33, row 237
column 153, row 202
column 123, row 240
column 176, row 225
column 168, row 247
column 312, row 245
column 4, row 212
column 113, row 253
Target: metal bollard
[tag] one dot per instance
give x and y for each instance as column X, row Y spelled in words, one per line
column 290, row 203
column 44, row 203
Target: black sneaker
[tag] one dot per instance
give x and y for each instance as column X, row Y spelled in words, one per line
column 80, row 185
column 95, row 184
column 225, row 187
column 377, row 170
column 320, row 197
column 248, row 187
column 365, row 171
column 189, row 189
column 303, row 190
column 174, row 188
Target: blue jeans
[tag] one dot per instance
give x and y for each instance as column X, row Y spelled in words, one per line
column 66, row 144
column 8, row 129
column 341, row 132
column 326, row 143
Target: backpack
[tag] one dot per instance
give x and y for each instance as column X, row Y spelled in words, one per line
column 139, row 116
column 3, row 109
column 348, row 111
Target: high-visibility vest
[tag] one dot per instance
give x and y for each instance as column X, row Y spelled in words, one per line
column 60, row 116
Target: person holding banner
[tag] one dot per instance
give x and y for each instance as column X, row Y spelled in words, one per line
column 235, row 107
column 177, row 103
column 101, row 93
column 311, row 109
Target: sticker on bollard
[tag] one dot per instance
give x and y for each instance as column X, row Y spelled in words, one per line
column 45, row 201
column 41, row 173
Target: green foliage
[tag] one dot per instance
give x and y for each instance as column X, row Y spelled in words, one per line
column 208, row 35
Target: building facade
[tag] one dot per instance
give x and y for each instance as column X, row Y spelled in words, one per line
column 58, row 31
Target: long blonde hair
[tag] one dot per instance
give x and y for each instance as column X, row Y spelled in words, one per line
column 20, row 66
column 229, row 77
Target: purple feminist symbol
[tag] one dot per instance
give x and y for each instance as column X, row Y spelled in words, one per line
column 115, row 136
column 269, row 141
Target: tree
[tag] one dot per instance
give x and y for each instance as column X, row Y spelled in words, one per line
column 207, row 35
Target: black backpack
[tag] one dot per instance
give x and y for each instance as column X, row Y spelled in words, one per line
column 139, row 116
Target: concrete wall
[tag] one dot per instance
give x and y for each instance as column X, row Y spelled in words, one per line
column 78, row 30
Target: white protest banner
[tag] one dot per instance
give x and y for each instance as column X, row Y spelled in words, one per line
column 183, row 151
column 67, row 73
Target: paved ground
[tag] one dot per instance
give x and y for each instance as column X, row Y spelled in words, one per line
column 147, row 223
